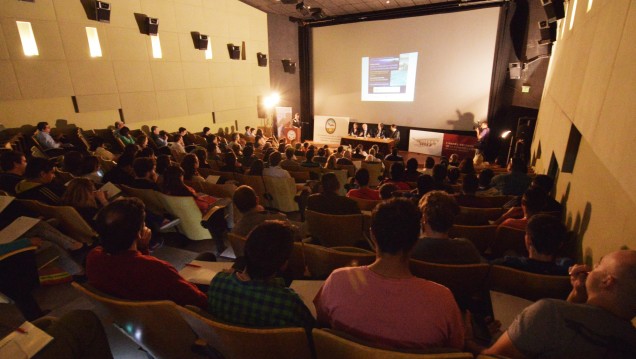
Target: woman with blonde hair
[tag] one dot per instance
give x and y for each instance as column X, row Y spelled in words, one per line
column 82, row 195
column 331, row 163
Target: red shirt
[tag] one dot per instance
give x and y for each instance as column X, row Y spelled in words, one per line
column 364, row 193
column 132, row 275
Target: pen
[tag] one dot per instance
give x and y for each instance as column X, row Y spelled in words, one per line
column 193, row 265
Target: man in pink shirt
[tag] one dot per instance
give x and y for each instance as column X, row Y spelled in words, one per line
column 384, row 303
column 364, row 192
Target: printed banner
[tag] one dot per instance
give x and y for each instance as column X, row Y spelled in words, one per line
column 441, row 144
column 330, row 129
column 283, row 118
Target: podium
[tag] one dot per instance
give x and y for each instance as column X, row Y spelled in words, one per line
column 292, row 134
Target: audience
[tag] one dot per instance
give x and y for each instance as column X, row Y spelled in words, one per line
column 126, row 137
column 438, row 214
column 13, row 165
column 190, row 165
column 397, row 177
column 363, row 192
column 532, row 202
column 121, row 266
column 595, row 322
column 544, row 236
column 255, row 297
column 274, row 169
column 82, row 195
column 252, row 213
column 411, row 173
column 516, row 181
column 383, row 302
column 145, row 174
column 329, row 202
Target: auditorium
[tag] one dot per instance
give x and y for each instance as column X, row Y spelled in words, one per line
column 264, row 157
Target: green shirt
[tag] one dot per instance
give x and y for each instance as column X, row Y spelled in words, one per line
column 256, row 303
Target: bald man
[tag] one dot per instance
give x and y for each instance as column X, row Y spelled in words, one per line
column 595, row 322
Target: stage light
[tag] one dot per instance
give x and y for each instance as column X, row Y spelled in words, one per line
column 271, row 101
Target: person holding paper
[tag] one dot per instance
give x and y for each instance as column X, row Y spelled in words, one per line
column 122, row 267
column 255, row 297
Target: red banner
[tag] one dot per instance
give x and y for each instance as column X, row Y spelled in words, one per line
column 463, row 146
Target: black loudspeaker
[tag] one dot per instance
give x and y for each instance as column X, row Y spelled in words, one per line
column 202, row 43
column 260, row 109
column 289, row 66
column 554, row 9
column 234, row 51
column 548, row 32
column 152, row 24
column 262, row 59
column 102, row 11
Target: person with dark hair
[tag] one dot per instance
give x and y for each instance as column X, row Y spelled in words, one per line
column 82, row 195
column 146, row 152
column 483, row 134
column 163, row 161
column 428, row 165
column 358, row 154
column 231, row 163
column 396, row 173
column 309, row 159
column 545, row 183
column 248, row 157
column 393, row 156
column 142, row 141
column 126, row 137
column 202, row 155
column 516, row 181
column 453, row 160
column 363, row 192
column 532, row 202
column 121, row 266
column 255, row 297
column 13, row 165
column 145, row 175
column 439, row 177
column 425, row 184
column 91, row 169
column 190, row 165
column 545, row 234
column 252, row 213
column 595, row 322
column 394, row 135
column 485, row 189
column 378, row 302
column 466, row 166
column 162, row 139
column 37, row 183
column 386, row 190
column 453, row 175
column 73, row 162
column 380, row 132
column 256, row 169
column 177, row 145
column 411, row 173
column 44, row 138
column 321, row 157
column 438, row 216
column 122, row 173
column 274, row 169
column 345, row 159
column 329, row 202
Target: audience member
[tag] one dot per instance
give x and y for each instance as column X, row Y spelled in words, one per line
column 466, row 166
column 383, row 302
column 177, row 145
column 91, row 169
column 145, row 174
column 329, row 202
column 485, row 189
column 82, row 195
column 397, row 177
column 411, row 173
column 190, row 166
column 100, row 151
column 516, row 181
column 126, row 137
column 595, row 322
column 231, row 164
column 453, row 175
column 45, row 139
column 37, row 183
column 453, row 160
column 120, row 266
column 386, row 190
column 321, row 158
column 13, row 164
column 73, row 162
column 425, row 184
column 363, row 192
column 544, row 236
column 248, row 156
column 439, row 178
column 309, row 160
column 256, row 169
column 274, row 169
column 532, row 202
column 394, row 155
column 438, row 215
column 345, row 160
column 252, row 213
column 122, row 173
column 428, row 166
column 289, row 158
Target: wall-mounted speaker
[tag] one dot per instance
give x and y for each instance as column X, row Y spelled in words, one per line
column 152, row 24
column 234, row 51
column 102, row 11
column 548, row 31
column 554, row 9
column 515, row 70
column 262, row 59
column 289, row 66
column 202, row 43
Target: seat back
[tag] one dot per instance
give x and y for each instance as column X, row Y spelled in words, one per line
column 351, row 170
column 335, row 230
column 186, row 209
column 509, row 241
column 105, row 164
column 483, row 202
column 148, row 196
column 477, row 216
column 283, row 191
column 365, row 204
column 375, row 171
column 527, row 285
column 71, row 222
column 258, row 184
column 299, row 176
column 321, row 261
column 342, row 177
column 387, row 166
column 481, row 236
column 462, row 279
column 36, row 151
column 156, row 326
column 239, row 342
column 331, row 346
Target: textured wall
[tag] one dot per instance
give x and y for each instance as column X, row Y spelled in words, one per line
column 180, row 89
column 591, row 83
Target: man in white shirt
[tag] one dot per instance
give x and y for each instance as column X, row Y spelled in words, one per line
column 274, row 170
column 45, row 139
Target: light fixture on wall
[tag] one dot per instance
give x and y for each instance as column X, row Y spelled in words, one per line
column 289, row 66
column 93, row 42
column 200, row 40
column 27, row 38
column 514, row 69
column 152, row 25
column 234, row 51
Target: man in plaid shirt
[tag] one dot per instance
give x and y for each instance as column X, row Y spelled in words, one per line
column 254, row 297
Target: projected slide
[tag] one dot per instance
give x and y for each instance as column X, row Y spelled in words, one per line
column 390, row 78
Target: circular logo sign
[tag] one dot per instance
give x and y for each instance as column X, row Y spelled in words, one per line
column 330, row 126
column 291, row 135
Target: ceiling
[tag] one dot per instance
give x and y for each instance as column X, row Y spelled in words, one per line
column 338, row 7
